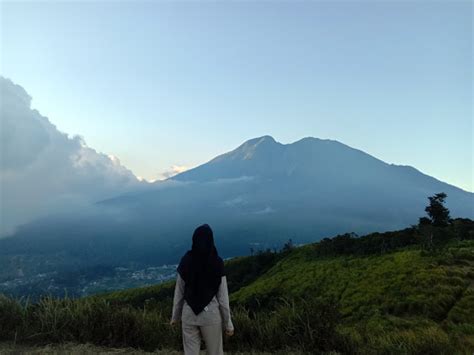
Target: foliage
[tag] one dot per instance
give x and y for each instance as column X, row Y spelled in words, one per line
column 309, row 325
column 438, row 213
column 242, row 271
column 288, row 246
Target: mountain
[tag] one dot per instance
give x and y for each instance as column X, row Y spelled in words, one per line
column 265, row 192
column 334, row 175
column 256, row 196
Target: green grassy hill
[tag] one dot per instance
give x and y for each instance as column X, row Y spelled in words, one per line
column 402, row 300
column 382, row 293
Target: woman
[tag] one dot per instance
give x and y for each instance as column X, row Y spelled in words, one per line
column 201, row 298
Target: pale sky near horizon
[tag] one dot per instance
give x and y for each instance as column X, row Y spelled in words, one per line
column 162, row 83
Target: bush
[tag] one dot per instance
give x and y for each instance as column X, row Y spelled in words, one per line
column 294, row 323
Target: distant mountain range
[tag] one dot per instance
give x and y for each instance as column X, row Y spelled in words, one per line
column 258, row 195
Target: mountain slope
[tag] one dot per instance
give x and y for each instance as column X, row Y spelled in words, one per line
column 327, row 176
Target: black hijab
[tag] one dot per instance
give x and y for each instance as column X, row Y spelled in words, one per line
column 201, row 268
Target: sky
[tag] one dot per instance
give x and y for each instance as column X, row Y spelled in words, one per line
column 168, row 85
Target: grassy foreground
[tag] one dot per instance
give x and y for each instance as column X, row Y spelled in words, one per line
column 379, row 294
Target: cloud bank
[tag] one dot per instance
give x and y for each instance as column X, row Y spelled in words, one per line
column 43, row 170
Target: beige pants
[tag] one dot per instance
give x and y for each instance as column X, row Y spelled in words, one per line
column 212, row 335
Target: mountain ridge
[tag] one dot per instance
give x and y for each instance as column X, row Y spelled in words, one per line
column 244, row 151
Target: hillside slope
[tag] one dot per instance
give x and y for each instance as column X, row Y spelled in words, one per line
column 381, row 293
column 398, row 296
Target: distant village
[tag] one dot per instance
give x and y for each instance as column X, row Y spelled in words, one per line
column 54, row 283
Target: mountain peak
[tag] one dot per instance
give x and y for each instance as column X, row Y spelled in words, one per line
column 248, row 149
column 259, row 140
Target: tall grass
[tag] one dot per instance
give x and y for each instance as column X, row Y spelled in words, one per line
column 92, row 320
column 294, row 325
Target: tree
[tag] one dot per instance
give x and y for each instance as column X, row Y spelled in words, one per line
column 439, row 215
column 432, row 231
column 424, row 221
column 288, row 245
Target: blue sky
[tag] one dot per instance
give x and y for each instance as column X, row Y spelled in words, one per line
column 176, row 83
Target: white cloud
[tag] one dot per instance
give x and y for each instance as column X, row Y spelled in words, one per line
column 43, row 170
column 173, row 170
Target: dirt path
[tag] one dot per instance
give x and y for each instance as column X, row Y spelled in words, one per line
column 71, row 348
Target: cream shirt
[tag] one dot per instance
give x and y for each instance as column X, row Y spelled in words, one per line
column 217, row 310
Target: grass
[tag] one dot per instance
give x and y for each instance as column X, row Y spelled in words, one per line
column 402, row 301
column 100, row 322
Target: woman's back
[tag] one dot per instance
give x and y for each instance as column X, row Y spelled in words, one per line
column 216, row 311
column 201, row 299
